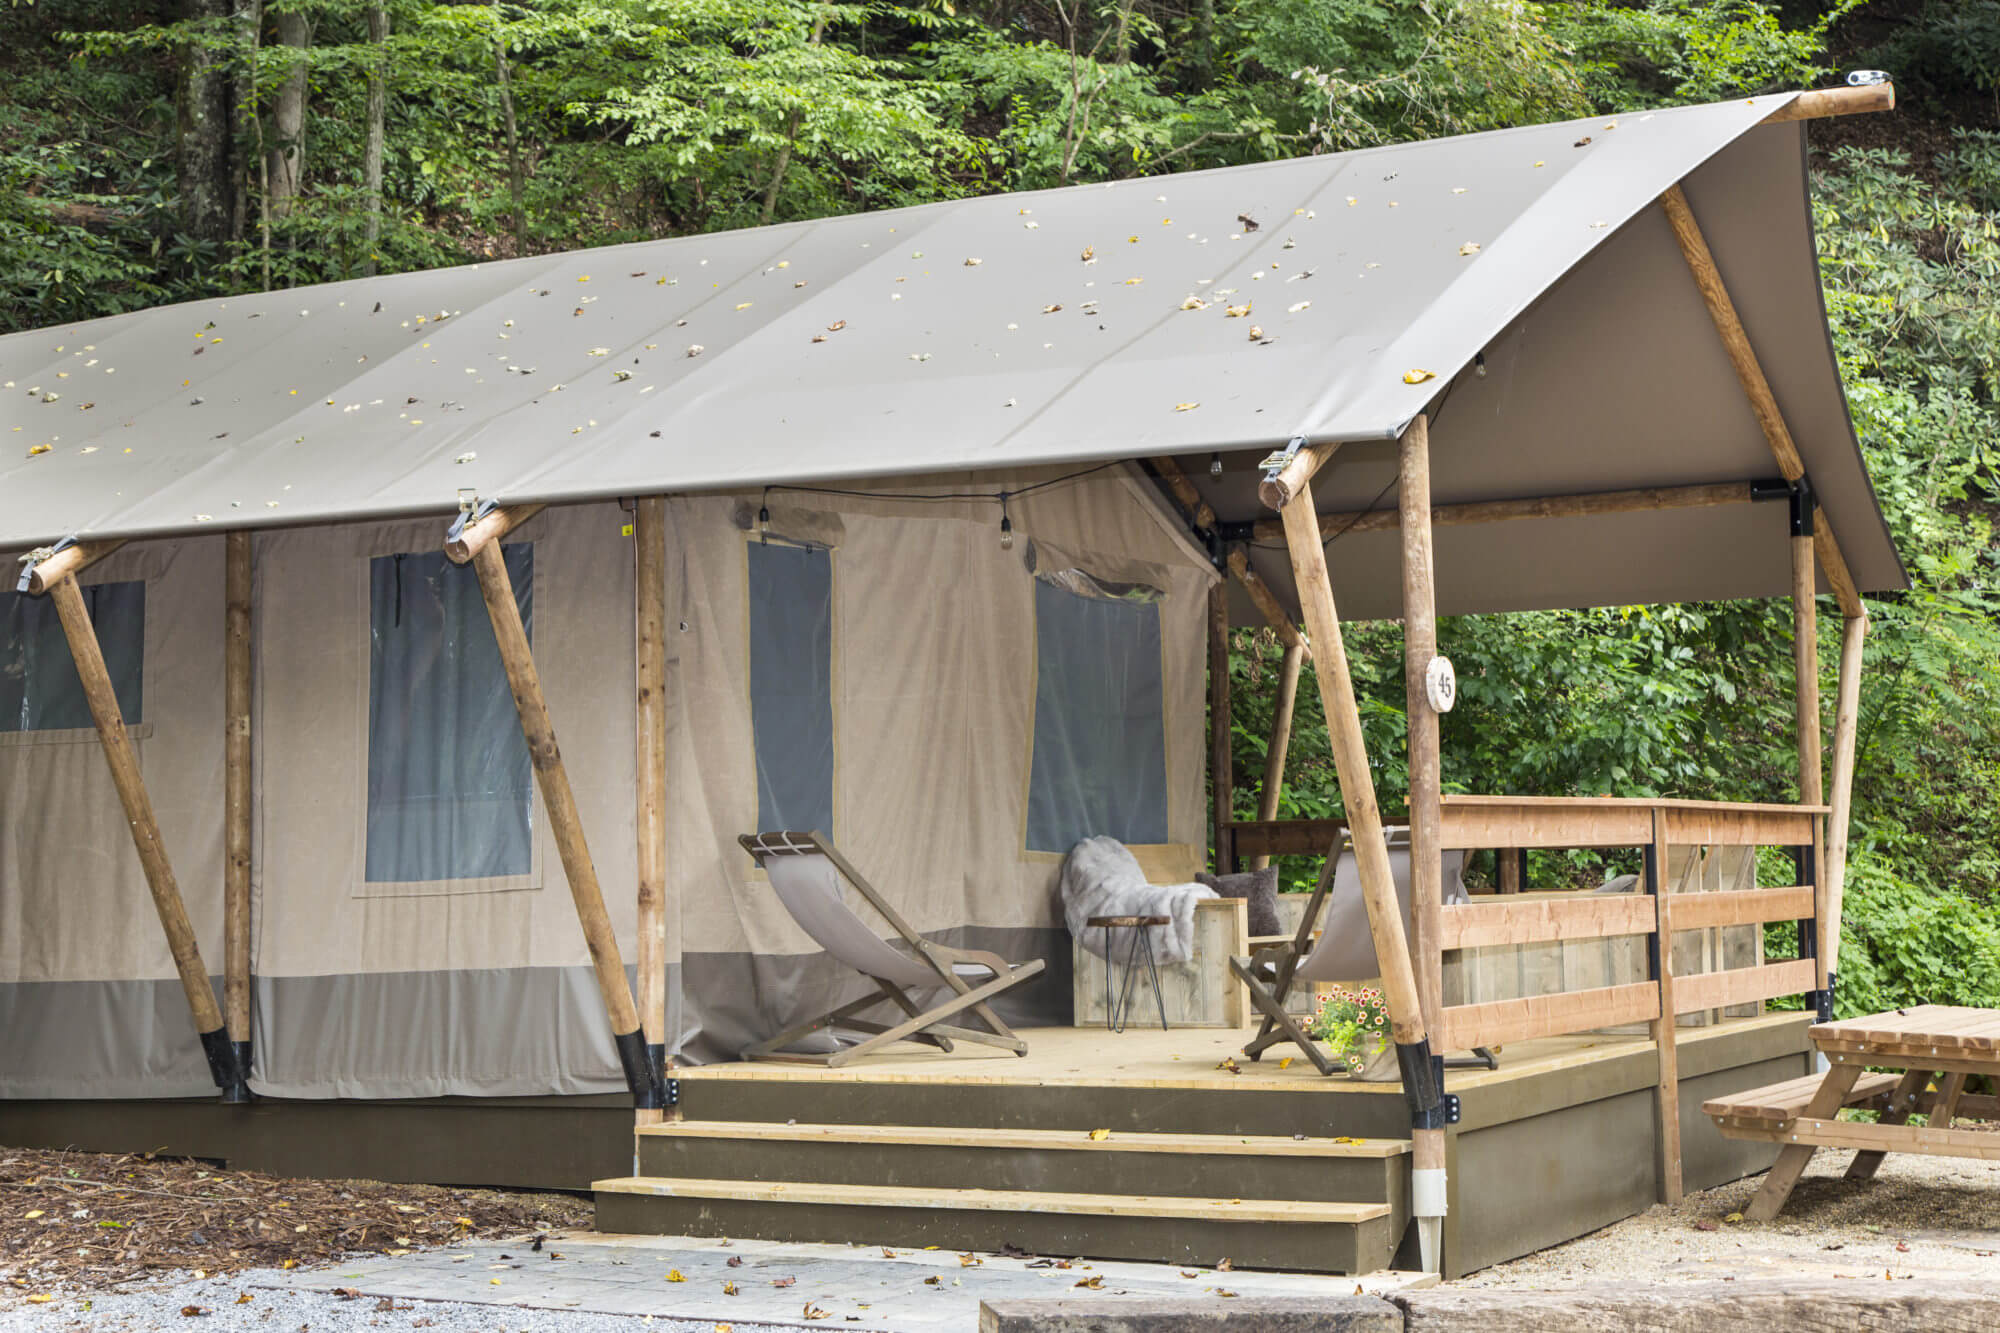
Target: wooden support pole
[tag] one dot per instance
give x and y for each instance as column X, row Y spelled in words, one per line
column 1667, row 1095
column 1749, row 373
column 1221, row 779
column 1846, row 719
column 236, row 795
column 1425, row 762
column 1427, row 1146
column 1585, row 505
column 66, row 563
column 1198, row 510
column 145, row 828
column 1823, row 102
column 491, row 527
column 497, row 588
column 1266, row 601
column 1281, row 741
column 649, row 584
column 1278, row 492
column 1350, row 761
column 1805, row 669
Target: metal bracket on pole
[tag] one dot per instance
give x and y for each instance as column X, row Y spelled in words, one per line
column 35, row 557
column 1278, row 460
column 1803, row 504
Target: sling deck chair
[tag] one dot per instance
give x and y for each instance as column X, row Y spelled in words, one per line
column 805, row 871
column 1269, row 975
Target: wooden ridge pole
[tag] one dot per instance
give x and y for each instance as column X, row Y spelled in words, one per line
column 1763, row 403
column 1646, row 499
column 1846, row 720
column 497, row 589
column 1427, row 1146
column 145, row 829
column 649, row 584
column 236, row 760
column 1221, row 776
column 1822, row 102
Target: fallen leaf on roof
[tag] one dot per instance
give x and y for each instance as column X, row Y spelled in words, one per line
column 1584, row 142
column 1133, row 282
column 1194, row 303
column 1469, row 248
column 970, row 1261
column 1186, row 407
column 1094, row 1282
column 1236, row 311
column 783, row 1281
column 974, row 263
column 729, row 1288
column 675, row 1275
column 1418, row 376
column 32, row 452
column 1297, row 306
column 1099, row 1135
column 695, row 349
column 1051, row 309
column 1249, row 223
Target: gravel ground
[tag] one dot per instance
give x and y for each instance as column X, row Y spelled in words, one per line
column 1921, row 1217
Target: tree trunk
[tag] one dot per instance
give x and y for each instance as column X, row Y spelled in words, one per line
column 244, row 128
column 784, row 161
column 286, row 156
column 378, row 113
column 514, row 182
column 202, row 129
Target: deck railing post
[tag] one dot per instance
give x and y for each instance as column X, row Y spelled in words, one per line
column 1221, row 778
column 1660, row 955
column 1846, row 717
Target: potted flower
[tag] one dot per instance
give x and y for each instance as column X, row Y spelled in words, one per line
column 1354, row 1024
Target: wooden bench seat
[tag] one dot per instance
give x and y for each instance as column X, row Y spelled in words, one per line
column 1781, row 1103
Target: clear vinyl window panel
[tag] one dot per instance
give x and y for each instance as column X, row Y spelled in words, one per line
column 1099, row 766
column 39, row 687
column 791, row 685
column 450, row 791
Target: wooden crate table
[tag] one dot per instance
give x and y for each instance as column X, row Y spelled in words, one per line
column 1929, row 1042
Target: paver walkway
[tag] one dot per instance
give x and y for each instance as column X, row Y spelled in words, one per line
column 900, row 1291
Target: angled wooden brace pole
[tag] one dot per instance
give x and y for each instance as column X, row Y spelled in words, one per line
column 56, row 576
column 1289, row 486
column 477, row 540
column 1846, row 720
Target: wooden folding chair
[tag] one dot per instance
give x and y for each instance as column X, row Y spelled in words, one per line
column 1270, row 975
column 805, row 871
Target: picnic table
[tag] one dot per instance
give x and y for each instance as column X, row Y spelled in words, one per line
column 1929, row 1043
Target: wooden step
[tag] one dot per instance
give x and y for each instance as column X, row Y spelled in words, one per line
column 1069, row 1161
column 1006, row 1201
column 1322, row 1237
column 1064, row 1140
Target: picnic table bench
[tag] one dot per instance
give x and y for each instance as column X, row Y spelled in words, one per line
column 1927, row 1042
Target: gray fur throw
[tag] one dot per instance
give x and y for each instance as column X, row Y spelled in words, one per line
column 1101, row 878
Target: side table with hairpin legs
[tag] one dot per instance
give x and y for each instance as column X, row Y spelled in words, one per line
column 1116, row 1013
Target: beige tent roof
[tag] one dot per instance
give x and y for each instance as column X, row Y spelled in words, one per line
column 1062, row 328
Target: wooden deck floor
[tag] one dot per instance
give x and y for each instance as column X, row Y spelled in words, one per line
column 1189, row 1058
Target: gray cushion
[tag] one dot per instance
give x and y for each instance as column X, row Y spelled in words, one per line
column 1259, row 888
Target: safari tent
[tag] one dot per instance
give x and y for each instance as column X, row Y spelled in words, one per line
column 433, row 637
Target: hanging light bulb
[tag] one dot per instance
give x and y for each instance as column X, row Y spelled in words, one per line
column 1006, row 533
column 764, row 523
column 1479, row 365
column 1215, row 465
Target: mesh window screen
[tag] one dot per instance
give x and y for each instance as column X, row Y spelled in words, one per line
column 1100, row 759
column 791, row 685
column 450, row 793
column 39, row 687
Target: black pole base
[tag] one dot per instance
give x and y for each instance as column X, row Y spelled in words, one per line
column 1423, row 1084
column 1825, row 1000
column 642, row 1076
column 229, row 1071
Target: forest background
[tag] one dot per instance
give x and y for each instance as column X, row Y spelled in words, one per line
column 163, row 150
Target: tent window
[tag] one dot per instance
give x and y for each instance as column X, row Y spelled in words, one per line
column 450, row 793
column 791, row 684
column 39, row 687
column 1099, row 765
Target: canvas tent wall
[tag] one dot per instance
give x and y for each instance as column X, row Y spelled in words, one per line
column 375, row 978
